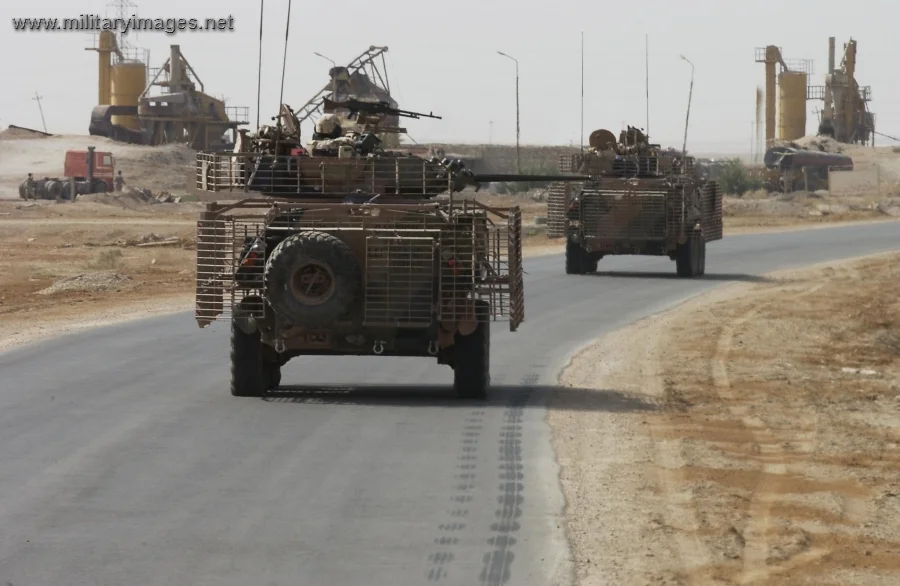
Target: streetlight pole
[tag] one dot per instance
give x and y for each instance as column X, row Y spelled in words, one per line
column 333, row 81
column 518, row 155
column 688, row 115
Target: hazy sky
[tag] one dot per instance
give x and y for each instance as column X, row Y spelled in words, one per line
column 443, row 58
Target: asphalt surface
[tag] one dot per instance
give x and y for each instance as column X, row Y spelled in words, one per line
column 124, row 459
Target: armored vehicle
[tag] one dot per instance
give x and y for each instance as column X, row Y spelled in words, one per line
column 345, row 248
column 641, row 200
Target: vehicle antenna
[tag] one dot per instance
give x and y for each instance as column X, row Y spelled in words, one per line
column 259, row 63
column 647, row 80
column 582, row 92
column 287, row 30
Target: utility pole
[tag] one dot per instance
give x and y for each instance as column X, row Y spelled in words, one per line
column 518, row 155
column 491, row 132
column 581, row 133
column 38, row 99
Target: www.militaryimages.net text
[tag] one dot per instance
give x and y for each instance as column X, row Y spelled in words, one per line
column 95, row 23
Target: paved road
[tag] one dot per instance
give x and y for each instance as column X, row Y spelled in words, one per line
column 124, row 460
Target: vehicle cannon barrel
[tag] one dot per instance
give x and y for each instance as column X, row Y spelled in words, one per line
column 465, row 179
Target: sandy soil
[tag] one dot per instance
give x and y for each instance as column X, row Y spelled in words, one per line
column 713, row 452
column 124, row 257
column 66, row 265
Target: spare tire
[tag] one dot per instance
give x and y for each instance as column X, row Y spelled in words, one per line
column 312, row 278
column 53, row 189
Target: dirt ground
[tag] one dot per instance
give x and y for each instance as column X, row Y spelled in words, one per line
column 118, row 257
column 748, row 436
column 67, row 265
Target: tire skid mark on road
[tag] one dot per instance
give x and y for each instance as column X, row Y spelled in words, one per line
column 464, row 478
column 510, row 500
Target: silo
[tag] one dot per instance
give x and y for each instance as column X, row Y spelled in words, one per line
column 129, row 79
column 791, row 105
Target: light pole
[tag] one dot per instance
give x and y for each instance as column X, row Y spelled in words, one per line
column 518, row 157
column 688, row 115
column 333, row 81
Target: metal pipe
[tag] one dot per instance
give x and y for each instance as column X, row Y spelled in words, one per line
column 90, row 165
column 830, row 55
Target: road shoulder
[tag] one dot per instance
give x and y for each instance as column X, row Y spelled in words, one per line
column 754, row 434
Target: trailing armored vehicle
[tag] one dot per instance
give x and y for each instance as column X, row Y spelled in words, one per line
column 641, row 200
column 345, row 248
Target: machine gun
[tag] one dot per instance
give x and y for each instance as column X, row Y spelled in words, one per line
column 357, row 107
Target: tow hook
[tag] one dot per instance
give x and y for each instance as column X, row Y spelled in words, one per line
column 279, row 345
column 433, row 348
column 378, row 348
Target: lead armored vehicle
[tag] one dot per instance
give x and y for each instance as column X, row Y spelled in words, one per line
column 346, row 248
column 641, row 200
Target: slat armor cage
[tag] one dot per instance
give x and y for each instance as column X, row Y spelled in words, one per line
column 331, row 177
column 420, row 263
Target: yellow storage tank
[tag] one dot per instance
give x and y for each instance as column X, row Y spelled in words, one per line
column 128, row 82
column 791, row 105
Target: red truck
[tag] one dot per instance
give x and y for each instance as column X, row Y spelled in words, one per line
column 93, row 172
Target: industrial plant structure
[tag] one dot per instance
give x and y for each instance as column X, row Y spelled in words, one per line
column 791, row 97
column 172, row 107
column 845, row 116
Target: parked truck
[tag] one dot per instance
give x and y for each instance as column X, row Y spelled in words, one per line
column 90, row 170
column 641, row 200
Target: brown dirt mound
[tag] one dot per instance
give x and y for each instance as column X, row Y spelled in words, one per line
column 12, row 133
column 90, row 283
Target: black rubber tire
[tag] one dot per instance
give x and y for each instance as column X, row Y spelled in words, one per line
column 472, row 360
column 297, row 251
column 52, row 188
column 687, row 258
column 65, row 193
column 99, row 186
column 247, row 374
column 578, row 260
column 272, row 374
column 702, row 256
